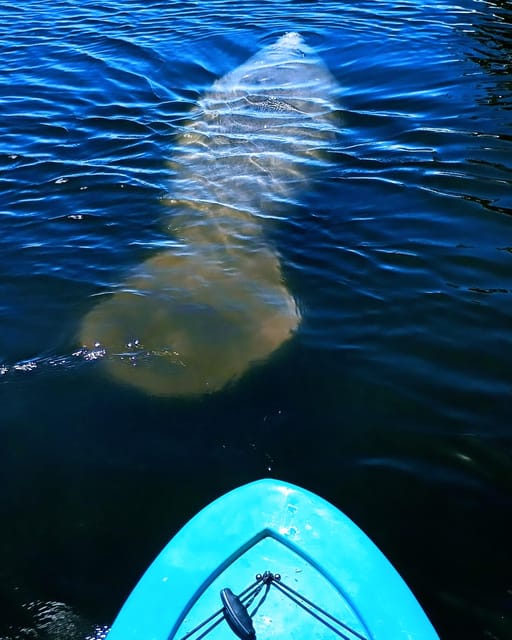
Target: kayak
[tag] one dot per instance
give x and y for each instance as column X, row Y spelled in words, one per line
column 271, row 560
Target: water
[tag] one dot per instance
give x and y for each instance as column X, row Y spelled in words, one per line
column 393, row 400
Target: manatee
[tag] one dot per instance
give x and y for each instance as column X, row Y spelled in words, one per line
column 198, row 315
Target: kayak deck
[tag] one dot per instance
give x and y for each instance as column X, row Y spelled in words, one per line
column 275, row 527
column 277, row 615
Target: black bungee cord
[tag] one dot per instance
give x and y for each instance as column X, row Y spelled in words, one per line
column 235, row 611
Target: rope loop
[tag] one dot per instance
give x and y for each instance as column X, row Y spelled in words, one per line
column 235, row 610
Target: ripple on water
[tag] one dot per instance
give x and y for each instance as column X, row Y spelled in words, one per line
column 399, row 257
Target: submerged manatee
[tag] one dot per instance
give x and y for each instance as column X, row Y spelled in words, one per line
column 197, row 316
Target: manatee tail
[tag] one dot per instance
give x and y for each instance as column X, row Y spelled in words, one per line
column 186, row 324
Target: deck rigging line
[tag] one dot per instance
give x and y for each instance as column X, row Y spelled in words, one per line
column 236, row 611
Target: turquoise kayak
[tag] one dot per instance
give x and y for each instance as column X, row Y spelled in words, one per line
column 271, row 560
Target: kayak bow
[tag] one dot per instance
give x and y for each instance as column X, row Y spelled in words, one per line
column 301, row 569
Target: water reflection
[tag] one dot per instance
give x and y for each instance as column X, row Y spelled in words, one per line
column 493, row 31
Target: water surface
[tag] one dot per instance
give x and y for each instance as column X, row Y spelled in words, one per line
column 393, row 398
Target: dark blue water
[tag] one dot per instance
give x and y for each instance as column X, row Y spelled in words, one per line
column 394, row 398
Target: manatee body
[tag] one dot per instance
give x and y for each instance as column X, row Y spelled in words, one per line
column 195, row 317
